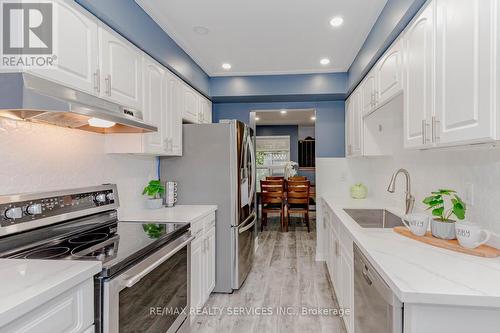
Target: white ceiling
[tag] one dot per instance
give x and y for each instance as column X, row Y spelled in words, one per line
column 291, row 117
column 259, row 37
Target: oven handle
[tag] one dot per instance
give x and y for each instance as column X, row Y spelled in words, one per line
column 136, row 278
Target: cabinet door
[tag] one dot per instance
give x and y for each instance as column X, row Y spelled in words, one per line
column 357, row 119
column 69, row 312
column 154, row 106
column 197, row 275
column 121, row 69
column 389, row 75
column 77, row 51
column 210, row 260
column 368, row 93
column 347, row 292
column 354, row 125
column 173, row 120
column 418, row 70
column 464, row 68
column 348, row 127
column 205, row 110
column 190, row 105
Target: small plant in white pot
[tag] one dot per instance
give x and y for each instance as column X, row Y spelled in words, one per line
column 442, row 225
column 154, row 191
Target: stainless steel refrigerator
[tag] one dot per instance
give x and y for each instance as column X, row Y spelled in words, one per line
column 218, row 167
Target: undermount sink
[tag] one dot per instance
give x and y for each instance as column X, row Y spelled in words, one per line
column 374, row 218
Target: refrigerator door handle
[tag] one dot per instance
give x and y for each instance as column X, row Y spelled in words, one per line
column 253, row 174
column 250, row 225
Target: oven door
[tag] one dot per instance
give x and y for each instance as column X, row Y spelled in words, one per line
column 153, row 295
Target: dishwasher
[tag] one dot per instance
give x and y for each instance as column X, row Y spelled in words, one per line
column 376, row 307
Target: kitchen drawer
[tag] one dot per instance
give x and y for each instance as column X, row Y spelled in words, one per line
column 69, row 312
column 202, row 225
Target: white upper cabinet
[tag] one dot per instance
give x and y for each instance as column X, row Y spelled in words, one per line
column 464, row 112
column 367, row 89
column 418, row 45
column 121, row 69
column 155, row 111
column 173, row 120
column 190, row 105
column 77, row 51
column 354, row 125
column 205, row 111
column 388, row 73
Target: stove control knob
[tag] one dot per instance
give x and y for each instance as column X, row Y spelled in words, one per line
column 110, row 196
column 14, row 213
column 34, row 209
column 100, row 198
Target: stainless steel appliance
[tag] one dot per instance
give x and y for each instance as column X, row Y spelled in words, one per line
column 376, row 308
column 27, row 97
column 145, row 266
column 218, row 167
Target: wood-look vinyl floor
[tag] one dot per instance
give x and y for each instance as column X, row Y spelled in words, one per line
column 284, row 276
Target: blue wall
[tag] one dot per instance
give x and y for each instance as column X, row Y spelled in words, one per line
column 267, row 88
column 330, row 119
column 391, row 22
column 128, row 18
column 290, row 130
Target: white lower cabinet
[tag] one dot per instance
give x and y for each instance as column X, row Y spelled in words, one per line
column 340, row 264
column 69, row 312
column 202, row 261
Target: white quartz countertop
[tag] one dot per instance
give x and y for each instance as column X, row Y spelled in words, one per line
column 179, row 213
column 27, row 284
column 418, row 272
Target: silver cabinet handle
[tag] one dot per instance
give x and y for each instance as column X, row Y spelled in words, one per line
column 108, row 84
column 424, row 132
column 138, row 277
column 435, row 129
column 97, row 80
column 365, row 275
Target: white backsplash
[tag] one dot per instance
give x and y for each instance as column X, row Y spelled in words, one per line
column 455, row 168
column 36, row 157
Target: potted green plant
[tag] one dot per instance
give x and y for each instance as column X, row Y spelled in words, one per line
column 442, row 225
column 154, row 191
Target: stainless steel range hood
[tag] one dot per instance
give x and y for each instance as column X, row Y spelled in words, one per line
column 28, row 97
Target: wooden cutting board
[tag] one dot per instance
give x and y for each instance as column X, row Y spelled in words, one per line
column 481, row 251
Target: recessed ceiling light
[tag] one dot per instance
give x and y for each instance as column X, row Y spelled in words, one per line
column 201, row 30
column 313, row 118
column 283, row 111
column 257, row 118
column 324, row 61
column 226, row 66
column 337, row 21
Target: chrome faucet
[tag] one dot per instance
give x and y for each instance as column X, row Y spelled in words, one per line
column 410, row 199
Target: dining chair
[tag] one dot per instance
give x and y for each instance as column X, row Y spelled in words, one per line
column 296, row 178
column 275, row 178
column 272, row 200
column 297, row 197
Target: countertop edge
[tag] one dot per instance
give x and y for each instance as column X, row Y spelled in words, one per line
column 25, row 306
column 409, row 297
